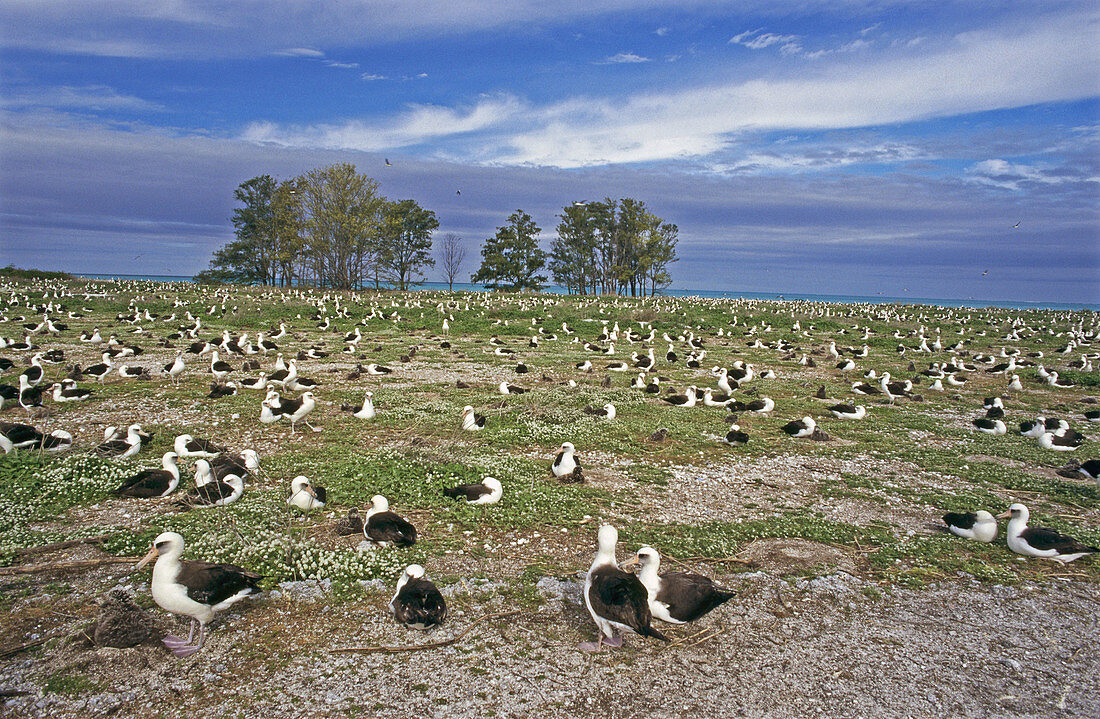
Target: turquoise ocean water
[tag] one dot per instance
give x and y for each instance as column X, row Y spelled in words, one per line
column 676, row 292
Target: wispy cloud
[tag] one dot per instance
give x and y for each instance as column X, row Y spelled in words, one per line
column 100, row 98
column 975, row 72
column 417, row 125
column 661, row 31
column 341, row 65
column 299, row 52
column 370, row 76
column 756, row 40
column 823, row 158
column 624, row 57
column 1015, row 176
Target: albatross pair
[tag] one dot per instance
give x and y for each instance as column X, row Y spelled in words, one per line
column 621, row 602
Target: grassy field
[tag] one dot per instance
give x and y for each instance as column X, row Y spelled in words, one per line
column 868, row 498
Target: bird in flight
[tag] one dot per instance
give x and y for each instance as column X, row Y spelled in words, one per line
column 458, row 192
column 388, row 162
column 578, row 203
column 985, row 273
column 1016, row 225
column 139, row 256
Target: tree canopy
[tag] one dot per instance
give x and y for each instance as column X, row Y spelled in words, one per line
column 613, row 247
column 511, row 258
column 330, row 227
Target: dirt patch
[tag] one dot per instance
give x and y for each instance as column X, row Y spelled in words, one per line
column 790, row 556
column 831, row 646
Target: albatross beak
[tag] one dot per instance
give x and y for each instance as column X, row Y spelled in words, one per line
column 147, row 558
column 1006, row 515
column 632, row 562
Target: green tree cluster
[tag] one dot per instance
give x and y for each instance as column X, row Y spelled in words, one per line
column 329, row 227
column 613, row 247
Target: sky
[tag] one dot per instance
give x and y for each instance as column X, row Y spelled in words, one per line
column 935, row 148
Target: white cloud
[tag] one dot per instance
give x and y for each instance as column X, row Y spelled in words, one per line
column 417, row 125
column 979, row 72
column 812, row 159
column 788, row 44
column 342, row 65
column 1010, row 175
column 661, row 31
column 299, row 52
column 1012, row 67
column 370, row 76
column 87, row 97
column 625, row 57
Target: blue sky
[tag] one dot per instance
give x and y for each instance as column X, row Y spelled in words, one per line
column 844, row 147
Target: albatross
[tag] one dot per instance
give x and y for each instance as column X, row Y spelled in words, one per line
column 617, row 600
column 417, row 603
column 198, row 590
column 1040, row 541
column 677, row 597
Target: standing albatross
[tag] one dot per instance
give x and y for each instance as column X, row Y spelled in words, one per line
column 617, row 600
column 198, row 590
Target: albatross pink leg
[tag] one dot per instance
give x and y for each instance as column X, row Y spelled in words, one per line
column 615, row 642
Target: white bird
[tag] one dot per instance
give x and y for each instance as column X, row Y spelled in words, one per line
column 198, row 590
column 1040, row 541
column 367, row 410
column 617, row 600
column 305, row 496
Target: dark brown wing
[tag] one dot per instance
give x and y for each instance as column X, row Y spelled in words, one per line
column 690, row 596
column 390, row 527
column 112, row 448
column 621, row 598
column 961, row 520
column 419, row 602
column 210, row 583
column 1042, row 538
column 147, row 483
column 470, row 492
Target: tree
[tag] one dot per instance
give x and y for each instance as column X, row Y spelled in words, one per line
column 658, row 254
column 452, row 253
column 573, row 251
column 511, row 258
column 247, row 259
column 405, row 240
column 289, row 244
column 342, row 214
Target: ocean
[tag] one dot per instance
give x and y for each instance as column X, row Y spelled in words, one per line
column 733, row 294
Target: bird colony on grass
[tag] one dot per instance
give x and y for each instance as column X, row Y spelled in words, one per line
column 279, row 434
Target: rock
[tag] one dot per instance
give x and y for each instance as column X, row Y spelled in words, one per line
column 309, row 590
column 556, row 590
